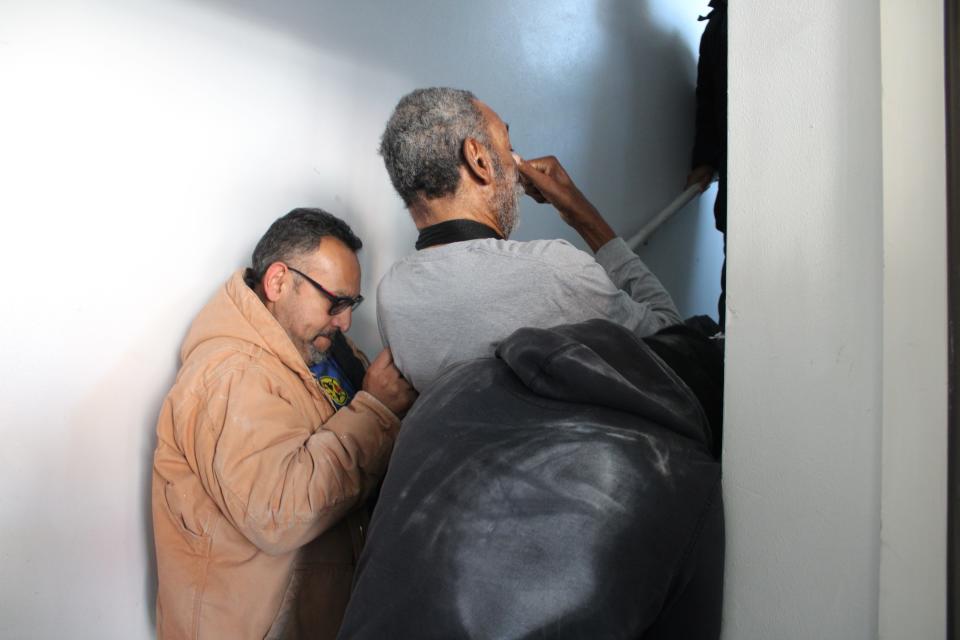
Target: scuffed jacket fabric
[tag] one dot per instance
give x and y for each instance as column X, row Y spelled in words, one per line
column 564, row 489
column 255, row 482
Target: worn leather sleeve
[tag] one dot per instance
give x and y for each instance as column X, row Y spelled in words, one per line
column 280, row 479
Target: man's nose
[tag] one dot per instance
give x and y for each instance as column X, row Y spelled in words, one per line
column 343, row 319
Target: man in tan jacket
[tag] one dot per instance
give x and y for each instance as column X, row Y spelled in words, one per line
column 258, row 478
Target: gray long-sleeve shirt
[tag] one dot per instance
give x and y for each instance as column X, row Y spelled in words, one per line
column 455, row 302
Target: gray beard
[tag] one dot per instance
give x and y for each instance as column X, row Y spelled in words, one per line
column 507, row 205
column 315, row 355
column 506, row 199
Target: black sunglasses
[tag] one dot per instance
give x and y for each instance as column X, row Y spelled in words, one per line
column 337, row 303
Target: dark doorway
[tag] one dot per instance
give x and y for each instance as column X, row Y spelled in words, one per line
column 952, row 66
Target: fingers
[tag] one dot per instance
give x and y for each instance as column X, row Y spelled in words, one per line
column 702, row 175
column 530, row 189
column 542, row 178
column 545, row 164
column 552, row 183
column 384, row 381
column 383, row 360
column 701, row 183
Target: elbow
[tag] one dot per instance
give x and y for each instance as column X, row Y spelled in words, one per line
column 275, row 542
column 277, row 539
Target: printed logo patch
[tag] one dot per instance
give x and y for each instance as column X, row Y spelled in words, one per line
column 331, row 387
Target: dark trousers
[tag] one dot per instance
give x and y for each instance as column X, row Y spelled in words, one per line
column 720, row 215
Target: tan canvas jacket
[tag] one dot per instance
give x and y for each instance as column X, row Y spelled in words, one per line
column 255, row 482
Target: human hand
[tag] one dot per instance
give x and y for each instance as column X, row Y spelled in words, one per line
column 385, row 383
column 545, row 180
column 702, row 175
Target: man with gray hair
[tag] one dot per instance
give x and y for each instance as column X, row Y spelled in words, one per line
column 468, row 287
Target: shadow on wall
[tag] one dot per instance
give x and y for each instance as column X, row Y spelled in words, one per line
column 656, row 134
column 149, row 393
column 614, row 99
column 622, row 119
column 652, row 171
column 145, row 479
column 146, row 485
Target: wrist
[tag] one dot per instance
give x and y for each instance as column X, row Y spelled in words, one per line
column 595, row 232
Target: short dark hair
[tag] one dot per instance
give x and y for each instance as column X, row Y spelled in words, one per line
column 299, row 232
column 422, row 145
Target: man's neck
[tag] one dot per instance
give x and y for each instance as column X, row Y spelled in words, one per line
column 456, row 207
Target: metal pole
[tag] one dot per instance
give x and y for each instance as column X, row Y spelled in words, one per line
column 678, row 203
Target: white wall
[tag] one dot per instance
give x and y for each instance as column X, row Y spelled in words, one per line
column 145, row 146
column 913, row 568
column 803, row 376
column 835, row 451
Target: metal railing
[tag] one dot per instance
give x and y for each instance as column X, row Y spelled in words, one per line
column 678, row 203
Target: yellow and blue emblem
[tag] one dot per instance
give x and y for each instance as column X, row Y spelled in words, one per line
column 334, row 390
column 332, row 382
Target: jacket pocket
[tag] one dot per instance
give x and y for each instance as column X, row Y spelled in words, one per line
column 193, row 513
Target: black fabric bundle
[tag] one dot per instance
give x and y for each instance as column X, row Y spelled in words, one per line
column 565, row 489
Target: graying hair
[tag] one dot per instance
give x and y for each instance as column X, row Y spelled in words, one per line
column 297, row 233
column 422, row 146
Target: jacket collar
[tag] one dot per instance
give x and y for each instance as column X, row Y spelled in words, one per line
column 236, row 312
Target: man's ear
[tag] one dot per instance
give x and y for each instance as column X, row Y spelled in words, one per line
column 274, row 281
column 478, row 161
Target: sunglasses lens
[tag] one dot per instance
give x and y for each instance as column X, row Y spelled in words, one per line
column 342, row 304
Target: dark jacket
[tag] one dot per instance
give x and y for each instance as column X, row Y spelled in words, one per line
column 564, row 489
column 710, row 140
